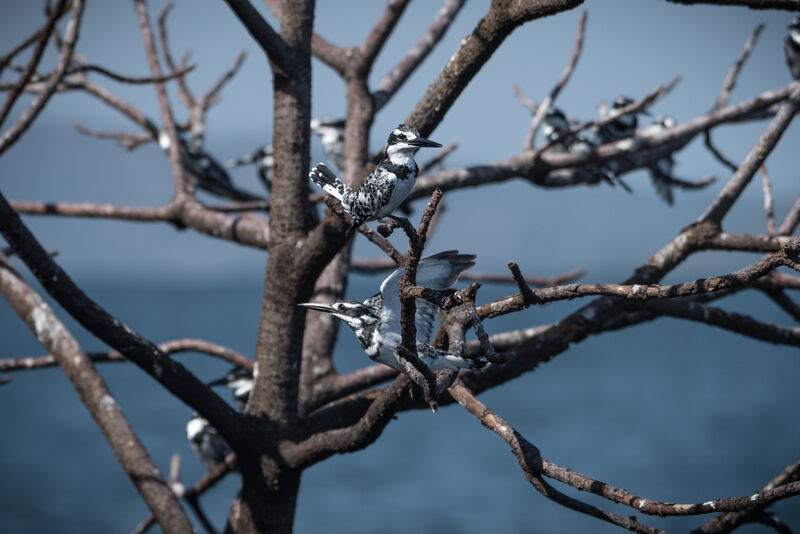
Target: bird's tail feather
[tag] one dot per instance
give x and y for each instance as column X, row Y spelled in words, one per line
column 439, row 359
column 324, row 177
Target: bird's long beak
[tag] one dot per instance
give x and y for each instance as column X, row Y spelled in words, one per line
column 421, row 141
column 327, row 308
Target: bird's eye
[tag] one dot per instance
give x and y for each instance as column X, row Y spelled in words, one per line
column 401, row 136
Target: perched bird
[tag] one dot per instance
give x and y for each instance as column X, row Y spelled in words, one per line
column 556, row 130
column 264, row 162
column 204, row 171
column 206, row 442
column 376, row 321
column 661, row 170
column 240, row 380
column 623, row 126
column 792, row 47
column 331, row 132
column 386, row 187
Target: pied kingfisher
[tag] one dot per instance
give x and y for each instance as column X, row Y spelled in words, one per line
column 386, row 187
column 204, row 171
column 206, row 442
column 264, row 162
column 331, row 132
column 240, row 380
column 623, row 126
column 376, row 321
column 793, row 48
column 556, row 130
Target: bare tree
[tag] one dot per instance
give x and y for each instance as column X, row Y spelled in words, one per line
column 301, row 410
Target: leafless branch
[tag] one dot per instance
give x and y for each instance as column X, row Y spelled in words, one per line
column 183, row 90
column 768, row 209
column 541, row 111
column 437, row 161
column 755, row 159
column 13, row 133
column 374, row 42
column 531, row 462
column 212, row 94
column 523, row 99
column 730, row 79
column 728, row 521
column 272, row 43
column 35, row 37
column 389, row 85
column 172, row 375
column 94, row 394
column 128, row 140
column 192, row 493
column 769, row 263
column 168, row 347
column 408, row 310
column 537, row 166
column 135, row 80
column 788, row 5
column 42, row 37
column 473, row 53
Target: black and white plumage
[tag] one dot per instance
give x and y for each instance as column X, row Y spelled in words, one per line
column 623, row 126
column 264, row 161
column 240, row 380
column 386, row 187
column 556, row 130
column 203, row 171
column 661, row 170
column 792, row 46
column 376, row 321
column 331, row 132
column 206, row 442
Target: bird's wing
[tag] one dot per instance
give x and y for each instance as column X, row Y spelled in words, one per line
column 439, row 271
column 792, row 57
column 660, row 176
column 424, row 319
column 375, row 193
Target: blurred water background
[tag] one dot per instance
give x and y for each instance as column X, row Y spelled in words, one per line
column 669, row 410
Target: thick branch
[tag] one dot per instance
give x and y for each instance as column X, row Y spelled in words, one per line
column 364, row 432
column 271, row 43
column 97, row 398
column 503, row 17
column 172, row 375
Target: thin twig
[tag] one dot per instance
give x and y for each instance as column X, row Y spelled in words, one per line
column 733, row 74
column 766, row 186
column 135, row 80
column 43, row 35
column 13, row 133
column 541, row 111
column 168, row 347
column 389, row 85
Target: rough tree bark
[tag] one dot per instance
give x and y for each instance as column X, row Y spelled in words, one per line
column 301, row 410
